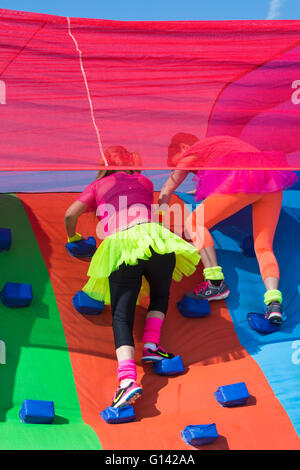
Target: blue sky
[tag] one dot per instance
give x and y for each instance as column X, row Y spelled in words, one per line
column 159, row 10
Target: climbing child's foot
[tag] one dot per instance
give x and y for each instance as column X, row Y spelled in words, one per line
column 207, row 290
column 126, row 395
column 274, row 313
column 154, row 355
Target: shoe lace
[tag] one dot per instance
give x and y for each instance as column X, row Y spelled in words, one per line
column 201, row 287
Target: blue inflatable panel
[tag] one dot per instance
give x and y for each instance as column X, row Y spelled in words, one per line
column 200, row 434
column 232, row 395
column 193, row 308
column 172, row 366
column 5, row 239
column 247, row 295
column 247, row 246
column 37, row 412
column 83, row 249
column 16, row 295
column 84, row 304
column 124, row 414
column 259, row 323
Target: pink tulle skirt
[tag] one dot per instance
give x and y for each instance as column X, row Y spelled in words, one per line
column 244, row 181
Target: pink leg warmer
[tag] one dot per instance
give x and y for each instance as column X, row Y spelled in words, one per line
column 126, row 370
column 152, row 330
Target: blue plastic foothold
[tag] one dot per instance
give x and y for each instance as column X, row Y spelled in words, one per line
column 84, row 304
column 247, row 246
column 232, row 395
column 259, row 323
column 200, row 434
column 5, row 239
column 124, row 414
column 16, row 295
column 37, row 412
column 84, row 248
column 193, row 308
column 172, row 366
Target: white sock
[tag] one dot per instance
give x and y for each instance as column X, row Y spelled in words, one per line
column 125, row 382
column 151, row 346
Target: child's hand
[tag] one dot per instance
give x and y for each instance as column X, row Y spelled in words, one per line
column 164, row 199
column 76, row 238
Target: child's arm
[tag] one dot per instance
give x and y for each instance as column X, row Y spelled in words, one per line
column 172, row 183
column 71, row 217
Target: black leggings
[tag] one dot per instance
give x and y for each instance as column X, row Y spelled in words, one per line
column 125, row 285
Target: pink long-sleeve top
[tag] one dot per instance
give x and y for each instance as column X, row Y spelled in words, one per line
column 119, row 201
column 227, row 151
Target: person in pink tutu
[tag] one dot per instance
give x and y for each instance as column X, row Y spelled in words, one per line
column 225, row 192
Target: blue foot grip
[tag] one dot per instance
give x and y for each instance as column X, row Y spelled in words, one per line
column 5, row 239
column 247, row 247
column 172, row 366
column 124, row 414
column 200, row 434
column 259, row 323
column 37, row 412
column 232, row 395
column 84, row 304
column 83, row 248
column 16, row 295
column 193, row 308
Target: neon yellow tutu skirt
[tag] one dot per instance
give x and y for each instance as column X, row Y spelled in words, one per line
column 134, row 244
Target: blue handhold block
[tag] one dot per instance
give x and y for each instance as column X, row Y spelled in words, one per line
column 5, row 239
column 258, row 322
column 193, row 308
column 37, row 412
column 247, row 246
column 232, row 395
column 82, row 249
column 200, row 434
column 16, row 295
column 124, row 414
column 84, row 304
column 169, row 366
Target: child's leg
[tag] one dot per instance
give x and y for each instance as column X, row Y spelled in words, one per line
column 265, row 213
column 125, row 284
column 158, row 272
column 211, row 211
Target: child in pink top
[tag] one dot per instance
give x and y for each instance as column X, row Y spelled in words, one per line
column 225, row 192
column 135, row 251
column 119, row 200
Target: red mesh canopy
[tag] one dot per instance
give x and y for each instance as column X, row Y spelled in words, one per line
column 70, row 88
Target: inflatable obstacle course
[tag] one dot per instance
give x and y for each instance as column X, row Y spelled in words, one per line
column 16, row 295
column 84, row 248
column 197, row 346
column 123, row 414
column 259, row 323
column 85, row 305
column 200, row 434
column 38, row 360
column 247, row 246
column 5, row 239
column 37, row 412
column 172, row 366
column 232, row 395
column 193, row 308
